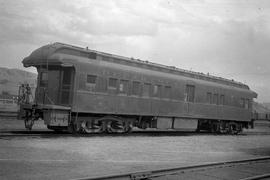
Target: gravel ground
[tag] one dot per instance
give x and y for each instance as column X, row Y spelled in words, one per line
column 67, row 157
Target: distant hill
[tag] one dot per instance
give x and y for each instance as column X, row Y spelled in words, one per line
column 10, row 79
column 260, row 107
column 267, row 105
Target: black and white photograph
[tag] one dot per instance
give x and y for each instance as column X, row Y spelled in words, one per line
column 135, row 89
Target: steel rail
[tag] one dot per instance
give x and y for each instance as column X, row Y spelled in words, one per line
column 29, row 134
column 162, row 172
column 263, row 176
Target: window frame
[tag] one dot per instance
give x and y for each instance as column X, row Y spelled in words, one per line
column 125, row 89
column 91, row 83
column 247, row 104
column 209, row 97
column 157, row 88
column 148, row 94
column 242, row 102
column 115, row 80
column 137, row 91
column 44, row 82
column 215, row 98
column 190, row 93
column 167, row 93
column 221, row 99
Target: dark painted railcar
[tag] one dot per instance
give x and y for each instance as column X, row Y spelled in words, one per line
column 82, row 90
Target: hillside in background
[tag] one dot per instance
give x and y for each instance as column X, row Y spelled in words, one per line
column 10, row 79
column 260, row 107
column 267, row 105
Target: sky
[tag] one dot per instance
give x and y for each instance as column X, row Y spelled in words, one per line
column 225, row 38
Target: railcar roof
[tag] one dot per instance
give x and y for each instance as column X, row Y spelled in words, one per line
column 44, row 52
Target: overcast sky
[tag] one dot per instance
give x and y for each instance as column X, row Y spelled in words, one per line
column 230, row 39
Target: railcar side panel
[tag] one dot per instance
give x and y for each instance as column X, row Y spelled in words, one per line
column 113, row 102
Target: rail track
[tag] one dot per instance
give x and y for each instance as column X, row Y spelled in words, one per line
column 49, row 133
column 254, row 169
column 38, row 133
column 45, row 132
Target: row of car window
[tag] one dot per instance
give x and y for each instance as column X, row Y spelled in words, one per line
column 160, row 91
column 137, row 88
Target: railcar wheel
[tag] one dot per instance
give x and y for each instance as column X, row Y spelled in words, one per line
column 115, row 127
column 129, row 128
column 89, row 127
column 215, row 127
column 223, row 127
column 233, row 128
column 239, row 128
column 118, row 127
column 28, row 121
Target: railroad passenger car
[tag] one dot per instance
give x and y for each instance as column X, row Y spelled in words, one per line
column 82, row 90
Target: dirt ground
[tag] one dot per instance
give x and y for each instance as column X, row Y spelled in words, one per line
column 67, row 156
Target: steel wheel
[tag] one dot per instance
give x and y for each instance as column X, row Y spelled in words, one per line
column 89, row 127
column 233, row 128
column 118, row 127
column 28, row 121
column 115, row 127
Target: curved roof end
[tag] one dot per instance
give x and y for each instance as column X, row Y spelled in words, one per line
column 255, row 95
column 27, row 62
